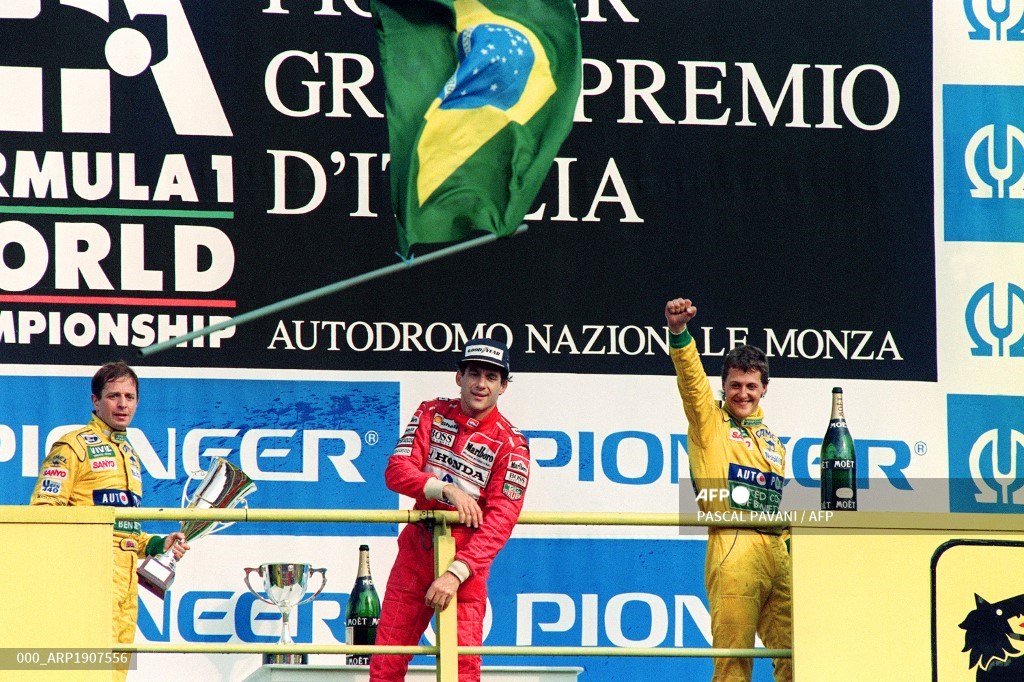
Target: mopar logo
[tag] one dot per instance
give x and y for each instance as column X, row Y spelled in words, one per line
column 995, row 20
column 986, row 453
column 166, row 52
column 995, row 321
column 616, row 456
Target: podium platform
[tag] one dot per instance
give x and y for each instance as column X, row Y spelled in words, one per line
column 56, row 564
column 417, row 673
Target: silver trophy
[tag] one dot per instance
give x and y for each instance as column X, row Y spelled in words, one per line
column 223, row 486
column 285, row 586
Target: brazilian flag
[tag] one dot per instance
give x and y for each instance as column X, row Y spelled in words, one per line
column 480, row 96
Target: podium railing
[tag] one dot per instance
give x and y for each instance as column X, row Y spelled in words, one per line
column 446, row 650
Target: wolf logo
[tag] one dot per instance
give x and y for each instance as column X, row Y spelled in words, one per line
column 995, row 639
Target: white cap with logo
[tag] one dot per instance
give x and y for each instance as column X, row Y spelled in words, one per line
column 487, row 351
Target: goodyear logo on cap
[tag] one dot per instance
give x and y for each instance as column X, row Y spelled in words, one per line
column 489, row 351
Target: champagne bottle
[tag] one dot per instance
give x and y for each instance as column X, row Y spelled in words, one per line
column 363, row 610
column 838, row 461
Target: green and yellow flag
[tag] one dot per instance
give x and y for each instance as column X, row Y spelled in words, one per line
column 480, row 96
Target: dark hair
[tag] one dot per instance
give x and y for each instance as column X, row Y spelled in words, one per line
column 746, row 359
column 112, row 371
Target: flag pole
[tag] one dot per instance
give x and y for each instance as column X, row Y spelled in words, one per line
column 325, row 291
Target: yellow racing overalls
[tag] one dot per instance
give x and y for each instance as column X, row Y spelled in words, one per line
column 94, row 466
column 737, row 466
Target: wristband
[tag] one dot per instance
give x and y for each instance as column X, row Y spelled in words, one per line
column 155, row 545
column 680, row 340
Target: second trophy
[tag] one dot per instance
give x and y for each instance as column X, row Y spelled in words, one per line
column 285, row 587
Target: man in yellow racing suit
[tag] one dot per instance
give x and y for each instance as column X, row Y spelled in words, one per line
column 737, row 465
column 97, row 466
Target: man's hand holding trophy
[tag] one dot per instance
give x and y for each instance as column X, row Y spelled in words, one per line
column 222, row 486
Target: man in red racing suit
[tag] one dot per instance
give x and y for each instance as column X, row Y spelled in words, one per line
column 460, row 455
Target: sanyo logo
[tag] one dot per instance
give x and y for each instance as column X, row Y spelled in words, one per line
column 181, row 77
column 260, row 452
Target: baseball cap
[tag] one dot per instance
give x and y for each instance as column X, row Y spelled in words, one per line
column 487, row 351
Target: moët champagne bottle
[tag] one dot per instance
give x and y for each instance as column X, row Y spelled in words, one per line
column 363, row 610
column 838, row 461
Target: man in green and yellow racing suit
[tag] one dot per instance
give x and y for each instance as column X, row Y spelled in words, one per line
column 737, row 464
column 97, row 466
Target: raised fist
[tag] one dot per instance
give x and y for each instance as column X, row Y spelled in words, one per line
column 678, row 312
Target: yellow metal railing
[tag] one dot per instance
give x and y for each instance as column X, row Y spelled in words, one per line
column 410, row 516
column 447, row 649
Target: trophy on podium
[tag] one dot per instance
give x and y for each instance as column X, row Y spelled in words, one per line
column 223, row 486
column 285, row 586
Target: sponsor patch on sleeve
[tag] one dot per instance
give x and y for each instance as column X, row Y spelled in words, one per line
column 50, row 486
column 518, row 479
column 404, row 445
column 56, row 461
column 516, row 464
column 512, row 491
